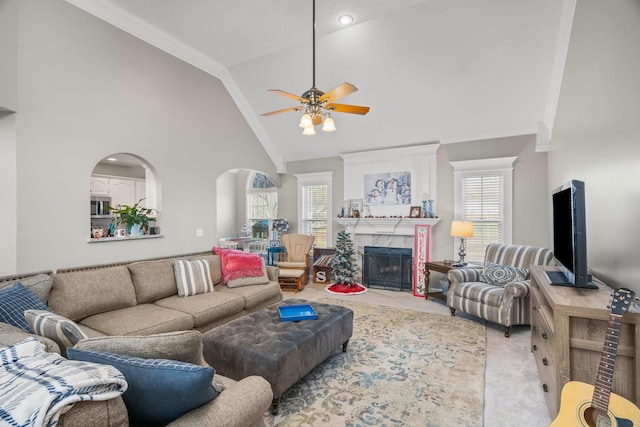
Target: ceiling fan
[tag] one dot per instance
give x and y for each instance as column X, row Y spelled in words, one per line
column 317, row 104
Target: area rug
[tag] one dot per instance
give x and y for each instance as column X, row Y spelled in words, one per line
column 401, row 368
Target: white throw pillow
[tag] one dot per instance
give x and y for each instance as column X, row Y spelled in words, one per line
column 193, row 277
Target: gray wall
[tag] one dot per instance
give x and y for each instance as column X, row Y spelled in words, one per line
column 288, row 196
column 596, row 137
column 87, row 90
column 531, row 200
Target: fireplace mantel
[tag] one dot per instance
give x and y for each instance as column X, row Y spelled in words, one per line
column 393, row 226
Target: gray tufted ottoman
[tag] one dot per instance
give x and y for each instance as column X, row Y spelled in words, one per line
column 281, row 352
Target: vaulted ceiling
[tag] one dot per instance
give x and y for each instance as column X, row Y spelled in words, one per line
column 431, row 70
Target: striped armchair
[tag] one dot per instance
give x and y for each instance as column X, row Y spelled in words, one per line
column 503, row 303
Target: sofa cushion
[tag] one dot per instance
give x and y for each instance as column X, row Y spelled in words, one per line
column 205, row 308
column 63, row 331
column 479, row 293
column 14, row 301
column 160, row 390
column 39, row 284
column 192, row 277
column 152, row 280
column 256, row 295
column 500, row 275
column 79, row 294
column 143, row 319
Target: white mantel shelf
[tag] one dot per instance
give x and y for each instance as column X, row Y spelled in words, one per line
column 394, row 226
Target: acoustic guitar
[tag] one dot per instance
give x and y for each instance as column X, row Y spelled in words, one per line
column 584, row 405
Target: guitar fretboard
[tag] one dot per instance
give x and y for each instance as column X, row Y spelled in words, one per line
column 604, row 378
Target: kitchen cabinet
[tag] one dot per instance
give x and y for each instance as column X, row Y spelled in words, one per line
column 99, row 186
column 123, row 191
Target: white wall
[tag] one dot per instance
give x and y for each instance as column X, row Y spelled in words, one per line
column 596, row 137
column 86, row 90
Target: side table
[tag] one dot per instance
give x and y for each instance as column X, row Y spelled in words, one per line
column 440, row 267
column 273, row 255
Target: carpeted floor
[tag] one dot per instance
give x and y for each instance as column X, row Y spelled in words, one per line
column 402, row 367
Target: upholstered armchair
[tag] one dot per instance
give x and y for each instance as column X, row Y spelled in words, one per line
column 297, row 248
column 500, row 291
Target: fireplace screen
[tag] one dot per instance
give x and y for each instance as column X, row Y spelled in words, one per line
column 387, row 268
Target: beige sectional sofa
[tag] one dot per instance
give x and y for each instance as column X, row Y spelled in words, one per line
column 139, row 298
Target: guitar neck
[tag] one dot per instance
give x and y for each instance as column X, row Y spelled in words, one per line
column 604, row 377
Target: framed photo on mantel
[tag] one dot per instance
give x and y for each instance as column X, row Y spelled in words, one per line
column 355, row 208
column 415, row 212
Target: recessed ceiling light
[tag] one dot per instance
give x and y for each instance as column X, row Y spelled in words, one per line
column 345, row 19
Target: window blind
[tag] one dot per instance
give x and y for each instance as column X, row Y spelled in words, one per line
column 315, row 213
column 483, row 203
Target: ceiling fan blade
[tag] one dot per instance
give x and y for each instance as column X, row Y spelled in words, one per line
column 338, row 92
column 288, row 95
column 344, row 108
column 284, row 110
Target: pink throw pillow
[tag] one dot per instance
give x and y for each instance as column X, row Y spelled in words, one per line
column 237, row 264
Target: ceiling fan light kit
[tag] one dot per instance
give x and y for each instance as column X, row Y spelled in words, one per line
column 317, row 105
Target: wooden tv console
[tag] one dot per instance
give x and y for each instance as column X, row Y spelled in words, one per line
column 568, row 327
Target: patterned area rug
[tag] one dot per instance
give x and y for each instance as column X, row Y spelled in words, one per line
column 401, row 368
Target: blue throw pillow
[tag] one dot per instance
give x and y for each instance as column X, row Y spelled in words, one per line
column 13, row 303
column 159, row 390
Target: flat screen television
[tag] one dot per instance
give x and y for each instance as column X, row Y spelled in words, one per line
column 570, row 237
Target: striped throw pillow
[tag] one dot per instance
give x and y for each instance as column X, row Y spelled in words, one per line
column 193, row 277
column 63, row 331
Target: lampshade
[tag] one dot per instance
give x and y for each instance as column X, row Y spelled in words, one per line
column 305, row 120
column 462, row 228
column 309, row 130
column 329, row 126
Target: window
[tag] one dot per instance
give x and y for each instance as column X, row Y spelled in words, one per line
column 483, row 195
column 314, row 206
column 262, row 204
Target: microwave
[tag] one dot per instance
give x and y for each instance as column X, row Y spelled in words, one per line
column 99, row 205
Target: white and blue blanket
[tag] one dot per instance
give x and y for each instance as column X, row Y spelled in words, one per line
column 36, row 387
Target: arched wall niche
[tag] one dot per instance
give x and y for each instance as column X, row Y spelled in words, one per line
column 232, row 188
column 123, row 179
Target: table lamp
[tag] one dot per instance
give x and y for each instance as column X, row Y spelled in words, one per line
column 462, row 229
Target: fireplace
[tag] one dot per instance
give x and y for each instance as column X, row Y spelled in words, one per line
column 387, row 268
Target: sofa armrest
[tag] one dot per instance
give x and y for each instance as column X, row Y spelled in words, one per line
column 273, row 273
column 10, row 335
column 462, row 275
column 96, row 413
column 240, row 404
column 517, row 289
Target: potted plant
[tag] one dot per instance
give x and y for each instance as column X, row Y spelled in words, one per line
column 132, row 216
